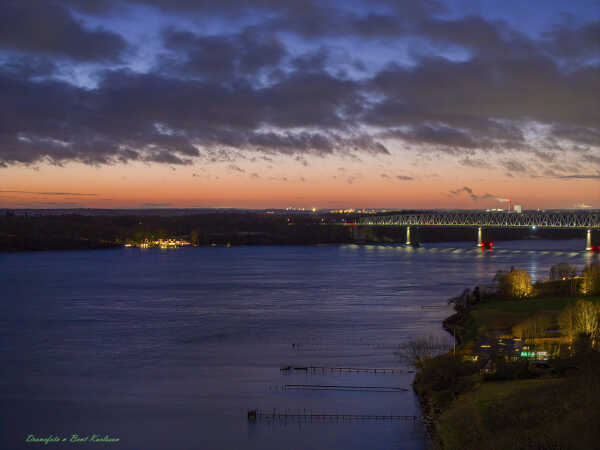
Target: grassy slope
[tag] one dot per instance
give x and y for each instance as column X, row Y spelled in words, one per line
column 547, row 413
column 503, row 315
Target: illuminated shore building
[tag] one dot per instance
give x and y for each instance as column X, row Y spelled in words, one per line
column 162, row 243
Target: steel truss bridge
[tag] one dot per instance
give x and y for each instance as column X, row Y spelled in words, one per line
column 489, row 219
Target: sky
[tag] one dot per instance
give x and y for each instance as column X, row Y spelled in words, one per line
column 281, row 103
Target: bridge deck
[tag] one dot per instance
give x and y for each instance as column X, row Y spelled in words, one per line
column 485, row 219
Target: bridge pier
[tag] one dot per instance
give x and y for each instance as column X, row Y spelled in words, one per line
column 479, row 237
column 408, row 236
column 588, row 239
column 592, row 239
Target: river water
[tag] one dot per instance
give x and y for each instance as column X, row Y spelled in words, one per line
column 169, row 349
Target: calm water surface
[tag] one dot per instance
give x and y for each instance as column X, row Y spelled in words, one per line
column 168, row 349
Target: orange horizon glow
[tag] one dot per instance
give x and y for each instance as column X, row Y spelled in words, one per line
column 324, row 186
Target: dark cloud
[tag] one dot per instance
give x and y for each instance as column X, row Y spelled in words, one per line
column 48, row 27
column 578, row 134
column 155, row 205
column 476, row 197
column 239, row 89
column 235, row 168
column 404, row 178
column 120, row 121
column 579, row 177
column 485, row 39
column 301, row 160
column 477, row 103
column 594, row 159
column 573, row 42
column 436, row 135
column 312, row 61
column 221, row 57
column 74, row 194
column 545, row 156
column 466, row 190
column 476, row 163
column 515, row 166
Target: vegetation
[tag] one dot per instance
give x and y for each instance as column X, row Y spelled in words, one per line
column 87, row 229
column 591, row 280
column 583, row 317
column 418, row 352
column 486, row 398
column 71, row 231
column 548, row 412
column 515, row 284
column 562, row 271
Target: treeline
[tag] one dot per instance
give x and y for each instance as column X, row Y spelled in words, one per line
column 72, row 231
column 84, row 231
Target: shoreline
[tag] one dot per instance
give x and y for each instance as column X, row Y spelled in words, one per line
column 429, row 410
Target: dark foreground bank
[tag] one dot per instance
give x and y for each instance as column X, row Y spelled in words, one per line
column 525, row 375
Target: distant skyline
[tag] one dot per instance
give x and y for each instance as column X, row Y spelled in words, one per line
column 326, row 104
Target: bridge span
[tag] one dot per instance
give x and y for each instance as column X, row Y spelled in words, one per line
column 588, row 221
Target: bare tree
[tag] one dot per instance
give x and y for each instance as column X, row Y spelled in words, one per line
column 582, row 317
column 566, row 322
column 587, row 318
column 416, row 352
column 591, row 280
column 533, row 327
column 562, row 271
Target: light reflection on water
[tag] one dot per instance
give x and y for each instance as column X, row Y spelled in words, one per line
column 169, row 349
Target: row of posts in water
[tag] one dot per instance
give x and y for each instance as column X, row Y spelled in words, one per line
column 309, row 416
column 344, row 369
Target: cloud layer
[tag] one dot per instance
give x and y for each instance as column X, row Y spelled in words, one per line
column 220, row 80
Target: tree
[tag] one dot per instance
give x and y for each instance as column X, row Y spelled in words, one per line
column 581, row 318
column 515, row 284
column 562, row 271
column 591, row 280
column 533, row 327
column 587, row 318
column 417, row 352
column 194, row 237
column 566, row 322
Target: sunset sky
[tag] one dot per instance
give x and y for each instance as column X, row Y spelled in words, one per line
column 277, row 103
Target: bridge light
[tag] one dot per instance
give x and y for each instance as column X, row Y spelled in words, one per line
column 533, row 227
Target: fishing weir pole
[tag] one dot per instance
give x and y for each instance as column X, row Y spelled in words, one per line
column 320, row 387
column 345, row 369
column 257, row 414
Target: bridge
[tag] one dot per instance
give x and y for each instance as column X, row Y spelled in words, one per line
column 544, row 220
